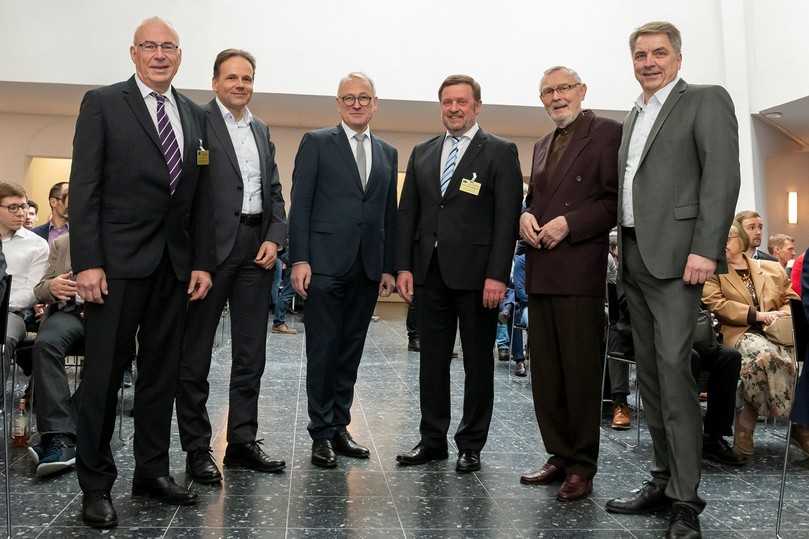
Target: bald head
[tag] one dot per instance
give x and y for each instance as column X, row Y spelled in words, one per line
column 152, row 22
column 156, row 53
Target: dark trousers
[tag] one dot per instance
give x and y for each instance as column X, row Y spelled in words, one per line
column 440, row 310
column 663, row 314
column 157, row 305
column 246, row 288
column 411, row 322
column 723, row 365
column 59, row 333
column 338, row 311
column 566, row 370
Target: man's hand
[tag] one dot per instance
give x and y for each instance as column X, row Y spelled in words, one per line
column 92, row 285
column 39, row 311
column 386, row 285
column 553, row 232
column 62, row 287
column 404, row 284
column 529, row 229
column 199, row 285
column 493, row 292
column 698, row 269
column 301, row 276
column 267, row 254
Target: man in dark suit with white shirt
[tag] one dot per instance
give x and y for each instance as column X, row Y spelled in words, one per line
column 250, row 226
column 141, row 251
column 457, row 230
column 341, row 246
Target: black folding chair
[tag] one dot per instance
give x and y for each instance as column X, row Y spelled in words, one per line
column 6, row 404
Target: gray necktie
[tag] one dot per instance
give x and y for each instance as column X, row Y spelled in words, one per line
column 360, row 138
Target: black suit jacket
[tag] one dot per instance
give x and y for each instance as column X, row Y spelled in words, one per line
column 332, row 220
column 122, row 216
column 42, row 230
column 227, row 185
column 475, row 234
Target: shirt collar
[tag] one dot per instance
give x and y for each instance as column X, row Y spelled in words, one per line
column 470, row 134
column 21, row 232
column 350, row 132
column 660, row 96
column 145, row 91
column 247, row 116
column 51, row 226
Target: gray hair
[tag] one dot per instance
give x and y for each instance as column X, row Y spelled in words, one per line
column 154, row 20
column 658, row 27
column 357, row 75
column 566, row 69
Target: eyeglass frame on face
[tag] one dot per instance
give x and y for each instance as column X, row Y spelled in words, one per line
column 349, row 99
column 14, row 208
column 150, row 47
column 561, row 89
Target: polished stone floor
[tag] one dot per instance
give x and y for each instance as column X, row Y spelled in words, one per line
column 374, row 498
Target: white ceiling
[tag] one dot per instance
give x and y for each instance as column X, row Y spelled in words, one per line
column 794, row 121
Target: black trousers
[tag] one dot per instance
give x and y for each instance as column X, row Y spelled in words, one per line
column 567, row 332
column 157, row 305
column 440, row 310
column 59, row 333
column 723, row 363
column 246, row 287
column 411, row 322
column 338, row 311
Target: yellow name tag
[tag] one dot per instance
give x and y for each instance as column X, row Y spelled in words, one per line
column 202, row 158
column 470, row 186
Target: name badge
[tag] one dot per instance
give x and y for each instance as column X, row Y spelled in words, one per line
column 202, row 156
column 472, row 186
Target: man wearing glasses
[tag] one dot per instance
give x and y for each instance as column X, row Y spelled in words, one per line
column 141, row 249
column 27, row 258
column 57, row 224
column 341, row 233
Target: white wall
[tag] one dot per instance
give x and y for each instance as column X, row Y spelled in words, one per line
column 407, row 47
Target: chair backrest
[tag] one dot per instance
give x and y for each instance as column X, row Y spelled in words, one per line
column 6, row 284
column 800, row 329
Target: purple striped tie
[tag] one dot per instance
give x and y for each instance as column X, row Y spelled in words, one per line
column 168, row 143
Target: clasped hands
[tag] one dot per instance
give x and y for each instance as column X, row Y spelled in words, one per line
column 548, row 235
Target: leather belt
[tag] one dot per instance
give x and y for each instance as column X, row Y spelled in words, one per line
column 250, row 219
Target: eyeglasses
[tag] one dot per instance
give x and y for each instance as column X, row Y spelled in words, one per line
column 362, row 99
column 150, row 47
column 14, row 208
column 561, row 89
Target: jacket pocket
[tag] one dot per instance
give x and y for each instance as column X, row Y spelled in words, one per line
column 689, row 211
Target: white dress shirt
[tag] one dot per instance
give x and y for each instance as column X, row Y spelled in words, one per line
column 171, row 110
column 27, row 260
column 366, row 143
column 244, row 144
column 463, row 144
column 647, row 114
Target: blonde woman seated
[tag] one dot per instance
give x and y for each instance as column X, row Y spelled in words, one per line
column 746, row 299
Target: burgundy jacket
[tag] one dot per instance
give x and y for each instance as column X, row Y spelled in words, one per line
column 584, row 189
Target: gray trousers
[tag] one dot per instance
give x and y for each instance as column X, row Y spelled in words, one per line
column 57, row 335
column 15, row 332
column 663, row 313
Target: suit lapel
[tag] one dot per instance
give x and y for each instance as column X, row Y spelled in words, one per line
column 432, row 159
column 376, row 156
column 581, row 138
column 626, row 136
column 141, row 113
column 759, row 282
column 220, row 131
column 185, row 116
column 344, row 149
column 475, row 145
column 675, row 95
column 736, row 282
column 262, row 146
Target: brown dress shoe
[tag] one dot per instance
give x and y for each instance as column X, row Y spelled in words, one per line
column 799, row 436
column 574, row 488
column 284, row 329
column 548, row 474
column 621, row 418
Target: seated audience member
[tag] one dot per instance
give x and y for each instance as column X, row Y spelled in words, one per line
column 619, row 343
column 513, row 307
column 61, row 331
column 800, row 409
column 31, row 215
column 57, row 225
column 782, row 247
column 748, row 300
column 26, row 257
column 797, row 270
column 282, row 293
column 753, row 225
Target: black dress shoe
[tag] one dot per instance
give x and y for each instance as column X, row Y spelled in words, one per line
column 421, row 454
column 97, row 510
column 323, row 454
column 251, row 456
column 684, row 523
column 344, row 444
column 163, row 489
column 413, row 344
column 718, row 450
column 647, row 499
column 468, row 461
column 201, row 466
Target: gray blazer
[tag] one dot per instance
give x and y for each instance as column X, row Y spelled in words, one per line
column 227, row 186
column 686, row 186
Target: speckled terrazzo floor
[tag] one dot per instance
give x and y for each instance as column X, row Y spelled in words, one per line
column 374, row 498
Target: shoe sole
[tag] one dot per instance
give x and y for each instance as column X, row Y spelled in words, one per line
column 327, row 465
column 34, row 455
column 244, row 466
column 716, row 460
column 655, row 509
column 45, row 469
column 353, row 455
column 620, row 427
column 145, row 493
column 468, row 470
column 577, row 498
column 203, row 480
column 419, row 463
column 101, row 525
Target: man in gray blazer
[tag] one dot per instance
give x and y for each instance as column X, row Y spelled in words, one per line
column 250, row 225
column 679, row 181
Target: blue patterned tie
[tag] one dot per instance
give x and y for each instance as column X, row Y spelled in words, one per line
column 168, row 143
column 449, row 166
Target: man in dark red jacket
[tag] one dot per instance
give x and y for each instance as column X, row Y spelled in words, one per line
column 570, row 209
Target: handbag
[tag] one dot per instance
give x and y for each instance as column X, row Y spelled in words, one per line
column 780, row 331
column 705, row 339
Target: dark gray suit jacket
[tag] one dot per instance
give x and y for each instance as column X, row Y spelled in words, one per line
column 227, row 185
column 685, row 189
